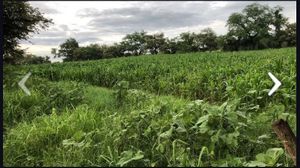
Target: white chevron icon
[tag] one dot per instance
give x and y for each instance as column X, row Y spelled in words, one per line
column 22, row 83
column 277, row 83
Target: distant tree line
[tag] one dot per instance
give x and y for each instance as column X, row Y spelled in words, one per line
column 256, row 27
column 33, row 59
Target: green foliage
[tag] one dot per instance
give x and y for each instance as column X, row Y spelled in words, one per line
column 192, row 42
column 252, row 29
column 269, row 158
column 135, row 43
column 155, row 42
column 116, row 50
column 207, row 40
column 121, row 91
column 90, row 52
column 170, row 46
column 187, row 43
column 290, row 34
column 219, row 113
column 67, row 49
column 46, row 97
column 164, row 131
column 19, row 20
column 33, row 59
column 191, row 76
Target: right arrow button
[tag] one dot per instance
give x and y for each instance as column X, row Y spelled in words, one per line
column 277, row 83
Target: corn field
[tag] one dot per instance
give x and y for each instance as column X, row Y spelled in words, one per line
column 194, row 109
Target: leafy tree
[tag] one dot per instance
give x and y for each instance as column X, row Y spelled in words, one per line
column 19, row 20
column 15, row 56
column 279, row 22
column 237, row 30
column 170, row 46
column 291, row 34
column 116, row 50
column 206, row 40
column 252, row 28
column 221, row 42
column 90, row 52
column 230, row 42
column 155, row 42
column 187, row 43
column 33, row 59
column 54, row 52
column 67, row 49
column 135, row 42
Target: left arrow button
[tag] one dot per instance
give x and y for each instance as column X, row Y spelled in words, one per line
column 22, row 83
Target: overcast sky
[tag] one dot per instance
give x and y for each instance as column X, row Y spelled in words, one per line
column 108, row 22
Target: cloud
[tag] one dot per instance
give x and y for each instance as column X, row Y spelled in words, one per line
column 108, row 22
column 44, row 8
column 64, row 27
column 84, row 37
column 58, row 34
column 87, row 12
column 150, row 16
column 125, row 20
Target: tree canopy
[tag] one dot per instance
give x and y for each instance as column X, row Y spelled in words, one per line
column 67, row 49
column 135, row 42
column 19, row 21
column 256, row 27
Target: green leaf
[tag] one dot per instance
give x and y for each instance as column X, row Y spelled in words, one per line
column 180, row 130
column 202, row 119
column 129, row 156
column 270, row 157
column 261, row 157
column 215, row 137
column 264, row 136
column 252, row 91
column 284, row 116
column 78, row 135
column 204, row 128
column 256, row 164
column 167, row 134
column 229, row 88
column 275, row 153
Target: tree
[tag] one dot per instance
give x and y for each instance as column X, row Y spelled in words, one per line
column 155, row 42
column 170, row 46
column 90, row 52
column 33, row 59
column 252, row 26
column 279, row 22
column 290, row 32
column 230, row 42
column 221, row 41
column 206, row 40
column 19, row 21
column 116, row 50
column 67, row 49
column 135, row 42
column 54, row 52
column 187, row 43
column 257, row 27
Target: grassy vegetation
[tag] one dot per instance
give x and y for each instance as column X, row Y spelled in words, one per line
column 198, row 109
